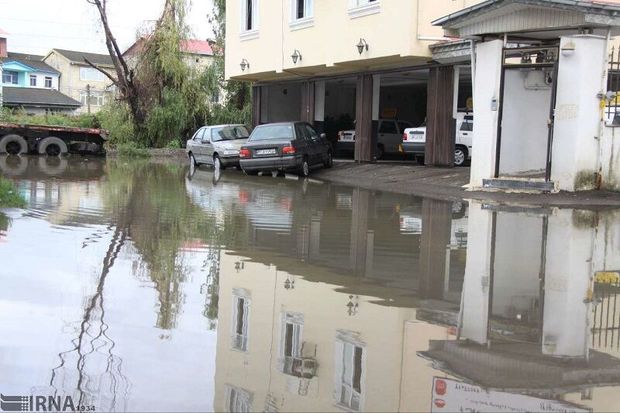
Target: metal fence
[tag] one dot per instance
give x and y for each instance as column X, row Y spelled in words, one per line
column 612, row 110
column 606, row 323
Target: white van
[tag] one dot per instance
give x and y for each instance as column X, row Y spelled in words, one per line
column 414, row 140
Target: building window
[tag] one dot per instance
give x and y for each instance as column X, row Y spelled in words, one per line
column 91, row 75
column 96, row 98
column 9, row 77
column 241, row 308
column 238, row 400
column 359, row 8
column 33, row 80
column 48, row 82
column 249, row 15
column 350, row 372
column 301, row 9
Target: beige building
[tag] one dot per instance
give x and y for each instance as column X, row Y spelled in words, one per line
column 80, row 81
column 325, row 61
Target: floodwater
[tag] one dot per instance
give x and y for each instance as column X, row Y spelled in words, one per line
column 137, row 286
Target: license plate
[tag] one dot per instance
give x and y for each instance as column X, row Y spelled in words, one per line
column 416, row 137
column 266, row 152
column 347, row 138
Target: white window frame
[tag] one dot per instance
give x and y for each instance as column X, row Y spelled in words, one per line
column 49, row 80
column 14, row 77
column 307, row 20
column 238, row 400
column 251, row 33
column 361, row 8
column 345, row 389
column 89, row 74
column 240, row 338
column 97, row 98
column 31, row 78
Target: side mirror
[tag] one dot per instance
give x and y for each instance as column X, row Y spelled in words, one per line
column 323, row 136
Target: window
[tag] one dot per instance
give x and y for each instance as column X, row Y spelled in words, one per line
column 301, row 9
column 198, row 135
column 48, row 82
column 249, row 15
column 359, row 8
column 9, row 77
column 268, row 132
column 240, row 323
column 238, row 400
column 95, row 99
column 310, row 132
column 467, row 126
column 349, row 371
column 229, row 133
column 33, row 80
column 91, row 74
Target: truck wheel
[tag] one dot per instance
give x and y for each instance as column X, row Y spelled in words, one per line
column 52, row 146
column 13, row 165
column 460, row 156
column 13, row 145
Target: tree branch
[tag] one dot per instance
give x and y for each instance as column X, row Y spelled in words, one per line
column 109, row 76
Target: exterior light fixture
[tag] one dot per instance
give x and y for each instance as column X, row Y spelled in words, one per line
column 361, row 46
column 568, row 48
column 244, row 65
column 296, row 56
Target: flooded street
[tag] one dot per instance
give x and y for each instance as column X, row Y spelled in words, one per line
column 138, row 286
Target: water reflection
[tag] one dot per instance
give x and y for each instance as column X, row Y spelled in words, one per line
column 324, row 297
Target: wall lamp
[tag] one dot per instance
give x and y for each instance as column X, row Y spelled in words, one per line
column 296, row 56
column 568, row 48
column 361, row 46
column 244, row 65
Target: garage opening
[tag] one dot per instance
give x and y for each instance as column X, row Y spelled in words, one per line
column 339, row 119
column 280, row 102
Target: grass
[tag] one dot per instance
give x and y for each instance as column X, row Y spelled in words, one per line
column 132, row 150
column 9, row 197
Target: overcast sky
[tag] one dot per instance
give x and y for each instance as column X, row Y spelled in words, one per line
column 36, row 26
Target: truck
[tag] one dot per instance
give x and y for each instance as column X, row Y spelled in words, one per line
column 17, row 139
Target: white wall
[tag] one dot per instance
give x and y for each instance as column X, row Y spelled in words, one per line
column 526, row 106
column 610, row 159
column 487, row 86
column 578, row 119
column 41, row 80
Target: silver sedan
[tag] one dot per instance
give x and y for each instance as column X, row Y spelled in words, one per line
column 217, row 145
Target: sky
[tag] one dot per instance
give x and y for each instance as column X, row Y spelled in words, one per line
column 37, row 26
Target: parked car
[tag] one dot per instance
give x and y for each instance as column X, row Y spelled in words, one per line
column 389, row 137
column 217, row 145
column 288, row 146
column 414, row 140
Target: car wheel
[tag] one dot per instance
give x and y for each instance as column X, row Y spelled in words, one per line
column 192, row 159
column 304, row 170
column 217, row 163
column 420, row 159
column 460, row 156
column 380, row 152
column 329, row 161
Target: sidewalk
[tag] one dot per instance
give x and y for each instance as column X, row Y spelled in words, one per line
column 447, row 184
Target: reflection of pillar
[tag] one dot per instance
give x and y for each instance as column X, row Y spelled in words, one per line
column 303, row 243
column 359, row 230
column 436, row 230
column 363, row 119
column 440, row 125
column 474, row 315
column 315, row 238
column 567, row 279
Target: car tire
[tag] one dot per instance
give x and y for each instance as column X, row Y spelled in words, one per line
column 329, row 161
column 420, row 159
column 460, row 156
column 13, row 145
column 217, row 163
column 52, row 146
column 380, row 152
column 304, row 169
column 192, row 160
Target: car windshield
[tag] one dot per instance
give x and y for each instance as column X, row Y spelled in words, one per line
column 229, row 133
column 272, row 132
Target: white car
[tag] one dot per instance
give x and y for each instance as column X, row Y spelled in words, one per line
column 414, row 140
column 389, row 138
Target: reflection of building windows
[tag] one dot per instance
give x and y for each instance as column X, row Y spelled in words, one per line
column 350, row 371
column 238, row 400
column 9, row 77
column 291, row 344
column 241, row 308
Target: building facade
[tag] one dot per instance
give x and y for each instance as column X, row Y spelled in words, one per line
column 80, row 81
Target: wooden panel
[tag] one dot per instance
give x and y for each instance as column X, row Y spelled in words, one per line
column 256, row 105
column 363, row 119
column 440, row 125
column 307, row 102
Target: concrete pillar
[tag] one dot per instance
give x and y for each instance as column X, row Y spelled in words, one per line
column 307, row 102
column 319, row 106
column 436, row 231
column 440, row 124
column 363, row 119
column 476, row 287
column 576, row 136
column 488, row 73
column 256, row 105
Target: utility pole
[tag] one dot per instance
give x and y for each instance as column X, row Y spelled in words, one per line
column 88, row 98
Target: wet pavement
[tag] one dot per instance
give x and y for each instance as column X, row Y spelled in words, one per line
column 136, row 286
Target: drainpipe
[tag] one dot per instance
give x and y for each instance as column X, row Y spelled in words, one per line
column 472, row 46
column 601, row 131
